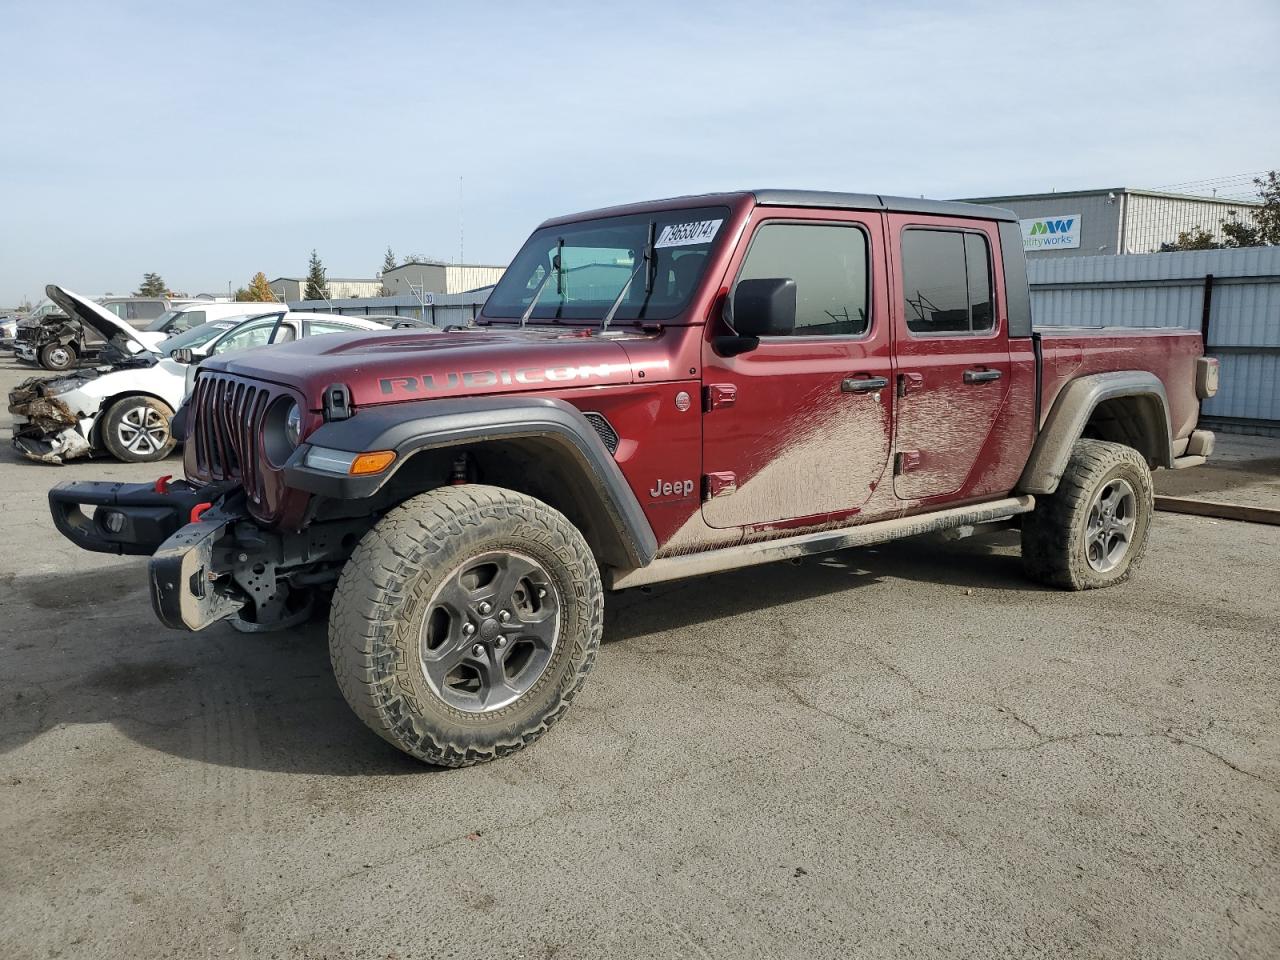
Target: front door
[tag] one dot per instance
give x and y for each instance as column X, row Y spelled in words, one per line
column 953, row 374
column 797, row 431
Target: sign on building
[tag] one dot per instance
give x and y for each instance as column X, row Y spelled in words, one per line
column 1060, row 232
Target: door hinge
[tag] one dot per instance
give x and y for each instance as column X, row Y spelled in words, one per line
column 719, row 485
column 718, row 396
column 906, row 460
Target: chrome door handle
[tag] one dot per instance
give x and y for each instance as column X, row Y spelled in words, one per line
column 863, row 384
column 981, row 376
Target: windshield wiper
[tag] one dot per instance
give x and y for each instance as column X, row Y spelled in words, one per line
column 555, row 265
column 647, row 263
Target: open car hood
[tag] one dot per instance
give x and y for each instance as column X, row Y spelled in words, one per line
column 106, row 324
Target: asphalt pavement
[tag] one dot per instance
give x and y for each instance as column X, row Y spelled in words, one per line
column 909, row 751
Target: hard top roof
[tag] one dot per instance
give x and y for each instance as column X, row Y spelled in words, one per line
column 821, row 199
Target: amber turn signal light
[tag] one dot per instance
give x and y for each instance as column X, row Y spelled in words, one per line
column 374, row 462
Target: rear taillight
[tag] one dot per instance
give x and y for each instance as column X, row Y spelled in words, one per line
column 1206, row 377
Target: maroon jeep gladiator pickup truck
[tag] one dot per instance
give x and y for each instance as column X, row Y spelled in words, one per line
column 653, row 391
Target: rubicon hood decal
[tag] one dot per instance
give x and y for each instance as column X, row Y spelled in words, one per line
column 400, row 365
column 432, row 383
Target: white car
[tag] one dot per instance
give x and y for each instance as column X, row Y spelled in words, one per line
column 125, row 409
column 185, row 316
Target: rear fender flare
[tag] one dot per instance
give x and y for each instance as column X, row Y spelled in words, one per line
column 1075, row 405
column 412, row 427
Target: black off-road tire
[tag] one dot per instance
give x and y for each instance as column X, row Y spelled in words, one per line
column 1054, row 537
column 57, row 356
column 131, row 414
column 376, row 624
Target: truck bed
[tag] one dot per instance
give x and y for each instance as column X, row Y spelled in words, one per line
column 1070, row 352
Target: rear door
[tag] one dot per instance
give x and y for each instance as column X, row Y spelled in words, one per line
column 798, row 429
column 952, row 376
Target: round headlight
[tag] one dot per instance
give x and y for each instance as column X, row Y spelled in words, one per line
column 293, row 425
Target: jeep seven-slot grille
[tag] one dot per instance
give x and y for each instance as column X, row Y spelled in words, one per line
column 226, row 419
column 604, row 430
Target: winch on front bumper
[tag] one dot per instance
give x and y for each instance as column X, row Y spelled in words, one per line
column 209, row 560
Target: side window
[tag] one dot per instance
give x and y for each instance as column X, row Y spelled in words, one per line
column 828, row 262
column 318, row 327
column 946, row 282
column 188, row 319
column 145, row 309
column 977, row 260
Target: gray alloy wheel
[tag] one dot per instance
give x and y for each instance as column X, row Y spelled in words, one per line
column 464, row 623
column 489, row 631
column 1109, row 529
column 1092, row 531
column 142, row 430
column 137, row 430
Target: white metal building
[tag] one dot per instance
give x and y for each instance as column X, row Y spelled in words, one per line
column 290, row 289
column 439, row 277
column 1113, row 220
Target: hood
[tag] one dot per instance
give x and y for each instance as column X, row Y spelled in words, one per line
column 395, row 365
column 104, row 323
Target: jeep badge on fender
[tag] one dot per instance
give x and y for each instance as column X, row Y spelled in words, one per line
column 670, row 488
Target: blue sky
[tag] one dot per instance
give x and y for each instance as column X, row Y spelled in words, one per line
column 208, row 141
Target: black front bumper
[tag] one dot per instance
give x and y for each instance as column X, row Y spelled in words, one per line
column 130, row 518
column 178, row 525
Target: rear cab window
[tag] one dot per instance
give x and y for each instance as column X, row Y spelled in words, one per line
column 946, row 282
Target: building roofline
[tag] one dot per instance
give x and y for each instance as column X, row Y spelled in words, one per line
column 442, row 263
column 328, row 279
column 1102, row 191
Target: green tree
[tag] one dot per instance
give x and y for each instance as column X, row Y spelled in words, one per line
column 152, row 286
column 1197, row 238
column 388, row 261
column 1264, row 230
column 317, row 284
column 242, row 295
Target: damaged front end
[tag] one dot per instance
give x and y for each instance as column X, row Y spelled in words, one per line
column 45, row 427
column 209, row 560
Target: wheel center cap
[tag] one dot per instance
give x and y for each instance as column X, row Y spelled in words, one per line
column 489, row 630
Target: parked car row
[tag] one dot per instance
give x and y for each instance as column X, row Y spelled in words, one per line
column 124, row 405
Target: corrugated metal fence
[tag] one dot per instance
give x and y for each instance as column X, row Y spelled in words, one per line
column 444, row 310
column 1233, row 296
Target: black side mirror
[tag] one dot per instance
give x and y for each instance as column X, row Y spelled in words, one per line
column 182, row 355
column 765, row 308
column 761, row 308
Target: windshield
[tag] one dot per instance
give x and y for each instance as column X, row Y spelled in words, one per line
column 598, row 257
column 198, row 336
column 159, row 323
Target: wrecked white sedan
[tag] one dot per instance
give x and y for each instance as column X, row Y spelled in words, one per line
column 125, row 407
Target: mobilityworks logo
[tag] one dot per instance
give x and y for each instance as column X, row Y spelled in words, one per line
column 1051, row 226
column 1046, row 233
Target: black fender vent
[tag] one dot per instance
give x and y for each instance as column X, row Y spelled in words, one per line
column 604, row 430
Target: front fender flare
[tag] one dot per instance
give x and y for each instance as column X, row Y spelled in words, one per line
column 413, row 426
column 1071, row 412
